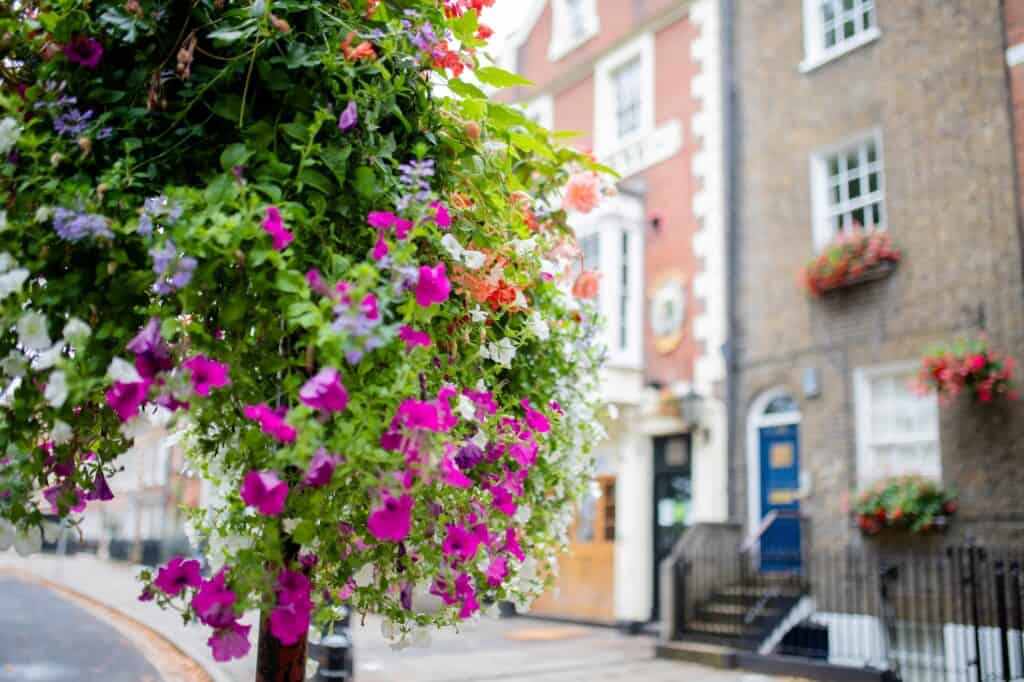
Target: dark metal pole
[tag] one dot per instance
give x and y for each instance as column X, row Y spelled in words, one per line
column 1018, row 616
column 972, row 581
column 999, row 572
column 885, row 574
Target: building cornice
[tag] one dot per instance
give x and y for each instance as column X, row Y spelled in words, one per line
column 585, row 69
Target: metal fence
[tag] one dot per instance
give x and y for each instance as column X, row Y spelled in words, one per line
column 950, row 616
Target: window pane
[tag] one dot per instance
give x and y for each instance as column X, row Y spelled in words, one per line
column 591, row 248
column 852, row 161
column 854, row 188
column 833, row 167
column 624, row 294
column 857, row 217
column 872, row 182
column 876, row 214
column 628, row 97
column 828, row 12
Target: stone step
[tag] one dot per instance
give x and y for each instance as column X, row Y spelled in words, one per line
column 712, row 655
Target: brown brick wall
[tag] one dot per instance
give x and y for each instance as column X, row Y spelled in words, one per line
column 934, row 84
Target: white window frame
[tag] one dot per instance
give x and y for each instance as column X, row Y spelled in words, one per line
column 562, row 40
column 862, row 378
column 606, row 138
column 541, row 110
column 617, row 216
column 822, row 212
column 815, row 52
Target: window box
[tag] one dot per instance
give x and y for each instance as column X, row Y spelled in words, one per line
column 909, row 503
column 853, row 258
column 971, row 366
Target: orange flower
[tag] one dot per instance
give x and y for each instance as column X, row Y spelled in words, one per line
column 490, row 288
column 461, row 201
column 587, row 285
column 363, row 50
column 582, row 193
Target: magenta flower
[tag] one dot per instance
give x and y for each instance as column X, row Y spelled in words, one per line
column 213, row 602
column 442, row 218
column 413, row 338
column 512, row 545
column 464, row 588
column 460, row 542
column 484, row 400
column 178, row 574
column 84, row 51
column 536, row 419
column 433, row 285
column 289, row 621
column 152, row 355
column 100, row 489
column 497, row 571
column 206, row 374
column 126, row 399
column 325, row 391
column 55, row 493
column 272, row 422
column 264, row 491
column 380, row 249
column 349, row 118
column 274, row 226
column 321, row 469
column 403, row 227
column 392, row 521
column 419, row 414
column 368, row 306
column 317, row 283
column 381, row 219
column 451, row 474
column 230, row 642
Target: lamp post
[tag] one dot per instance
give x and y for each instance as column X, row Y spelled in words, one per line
column 691, row 407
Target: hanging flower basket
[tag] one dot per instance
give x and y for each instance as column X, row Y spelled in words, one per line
column 909, row 503
column 967, row 366
column 853, row 258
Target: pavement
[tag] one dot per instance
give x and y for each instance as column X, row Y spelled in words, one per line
column 486, row 650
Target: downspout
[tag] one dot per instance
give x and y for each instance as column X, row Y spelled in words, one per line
column 1018, row 188
column 730, row 154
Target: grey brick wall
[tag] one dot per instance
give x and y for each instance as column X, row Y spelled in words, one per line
column 935, row 85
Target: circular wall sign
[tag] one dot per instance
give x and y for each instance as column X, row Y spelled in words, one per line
column 668, row 313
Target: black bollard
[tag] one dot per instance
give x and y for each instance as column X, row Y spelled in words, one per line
column 334, row 652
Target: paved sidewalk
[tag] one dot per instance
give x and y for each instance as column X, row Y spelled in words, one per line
column 504, row 650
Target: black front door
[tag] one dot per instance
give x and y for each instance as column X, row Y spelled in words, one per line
column 673, row 495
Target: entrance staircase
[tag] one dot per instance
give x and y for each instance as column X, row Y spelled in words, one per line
column 745, row 613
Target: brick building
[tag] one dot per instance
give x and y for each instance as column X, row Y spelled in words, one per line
column 642, row 81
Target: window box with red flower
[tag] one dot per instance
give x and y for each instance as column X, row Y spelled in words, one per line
column 852, row 258
column 967, row 366
column 909, row 503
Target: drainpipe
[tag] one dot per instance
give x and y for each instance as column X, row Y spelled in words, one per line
column 730, row 154
column 1011, row 106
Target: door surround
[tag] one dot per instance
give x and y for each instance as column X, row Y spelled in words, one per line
column 757, row 419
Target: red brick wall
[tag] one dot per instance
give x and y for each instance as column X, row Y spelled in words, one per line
column 670, row 185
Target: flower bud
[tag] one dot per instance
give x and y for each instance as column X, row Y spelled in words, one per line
column 472, row 130
column 280, row 24
column 85, row 144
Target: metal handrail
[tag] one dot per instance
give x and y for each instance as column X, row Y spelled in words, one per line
column 766, row 523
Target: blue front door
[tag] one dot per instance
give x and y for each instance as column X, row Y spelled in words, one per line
column 780, row 484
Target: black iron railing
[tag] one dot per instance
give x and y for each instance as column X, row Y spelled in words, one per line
column 952, row 616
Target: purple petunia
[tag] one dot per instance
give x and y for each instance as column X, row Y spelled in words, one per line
column 264, row 491
column 325, row 391
column 178, row 574
column 349, row 118
column 321, row 469
column 392, row 521
column 84, row 51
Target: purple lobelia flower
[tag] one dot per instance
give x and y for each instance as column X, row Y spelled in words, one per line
column 174, row 271
column 73, row 122
column 75, row 226
column 349, row 118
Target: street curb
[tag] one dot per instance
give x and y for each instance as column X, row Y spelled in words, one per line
column 118, row 619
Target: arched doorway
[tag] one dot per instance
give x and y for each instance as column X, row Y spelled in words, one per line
column 773, row 477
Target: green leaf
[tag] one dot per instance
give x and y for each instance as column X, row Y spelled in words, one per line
column 365, row 182
column 464, row 89
column 228, row 106
column 529, row 143
column 304, row 314
column 290, row 282
column 231, row 34
column 500, row 78
column 234, row 155
column 221, row 190
column 317, row 181
column 336, row 160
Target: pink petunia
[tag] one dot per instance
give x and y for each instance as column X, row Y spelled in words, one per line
column 206, row 374
column 271, row 422
column 325, row 391
column 381, row 219
column 214, row 602
column 453, row 476
column 273, row 224
column 460, row 542
column 229, row 643
column 413, row 338
column 392, row 521
column 433, row 285
column 178, row 574
column 497, row 571
column 442, row 217
column 582, row 193
column 264, row 491
column 535, row 418
column 321, row 469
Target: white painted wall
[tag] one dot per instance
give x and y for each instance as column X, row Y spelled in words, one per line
column 634, row 542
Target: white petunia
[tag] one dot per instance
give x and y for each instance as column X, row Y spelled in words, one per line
column 7, row 261
column 12, row 281
column 524, row 247
column 7, row 397
column 48, row 358
column 33, row 331
column 290, row 525
column 502, row 352
column 452, row 246
column 479, row 439
column 10, row 131
column 61, row 432
column 43, row 214
column 474, row 260
column 539, row 327
column 14, row 365
column 466, row 408
column 124, row 372
column 478, row 314
column 76, row 329
column 56, row 388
